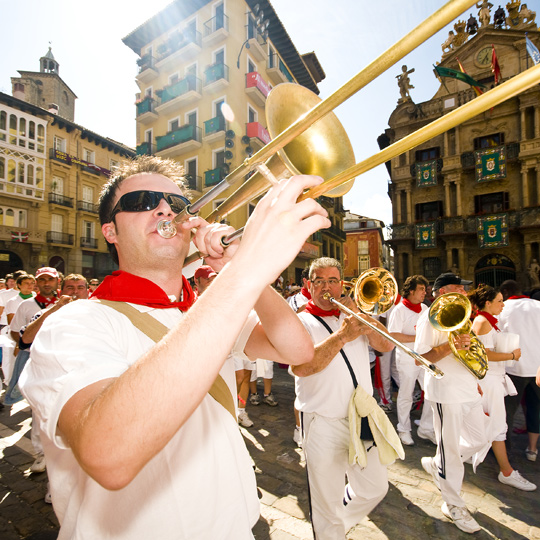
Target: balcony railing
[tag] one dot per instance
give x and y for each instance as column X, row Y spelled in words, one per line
column 145, row 106
column 146, row 149
column 254, row 129
column 89, row 242
column 62, row 200
column 185, row 85
column 185, row 133
column 54, row 237
column 214, row 176
column 87, row 207
column 178, row 41
column 214, row 125
column 146, row 62
column 215, row 72
column 216, row 23
column 275, row 62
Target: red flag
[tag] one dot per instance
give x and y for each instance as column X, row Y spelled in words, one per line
column 495, row 68
column 477, row 89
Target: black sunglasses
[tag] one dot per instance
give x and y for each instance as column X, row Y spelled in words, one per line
column 143, row 201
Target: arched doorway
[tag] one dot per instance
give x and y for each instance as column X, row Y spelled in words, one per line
column 493, row 269
column 58, row 263
column 9, row 262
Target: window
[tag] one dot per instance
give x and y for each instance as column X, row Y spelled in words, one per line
column 217, row 107
column 59, row 144
column 191, row 70
column 251, row 66
column 88, row 194
column 363, row 263
column 57, row 185
column 149, row 92
column 272, row 57
column 88, row 230
column 12, row 129
column 89, row 156
column 41, row 138
column 529, row 123
column 429, row 211
column 252, row 115
column 496, row 139
column 219, row 57
column 432, row 267
column 191, row 174
column 12, row 217
column 9, row 218
column 57, row 223
column 191, row 118
column 427, row 154
column 174, row 124
column 148, row 136
column 491, row 203
column 174, row 78
column 219, row 158
column 22, row 131
column 2, row 168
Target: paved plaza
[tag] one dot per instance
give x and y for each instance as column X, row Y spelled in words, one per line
column 411, row 510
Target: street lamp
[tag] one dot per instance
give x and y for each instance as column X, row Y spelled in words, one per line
column 261, row 27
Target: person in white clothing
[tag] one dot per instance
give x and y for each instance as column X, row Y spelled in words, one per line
column 496, row 384
column 521, row 316
column 25, row 287
column 7, row 294
column 300, row 299
column 402, row 326
column 457, row 407
column 323, row 390
column 134, row 387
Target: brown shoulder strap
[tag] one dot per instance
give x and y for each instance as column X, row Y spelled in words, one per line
column 155, row 331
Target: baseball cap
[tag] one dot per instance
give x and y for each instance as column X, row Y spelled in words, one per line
column 47, row 270
column 204, row 271
column 448, row 278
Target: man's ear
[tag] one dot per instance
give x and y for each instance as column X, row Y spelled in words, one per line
column 109, row 232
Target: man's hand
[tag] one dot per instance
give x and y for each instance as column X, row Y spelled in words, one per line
column 462, row 342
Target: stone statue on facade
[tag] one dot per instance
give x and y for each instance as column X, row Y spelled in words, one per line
column 404, row 84
column 472, row 25
column 534, row 273
column 520, row 18
column 461, row 36
column 448, row 45
column 484, row 13
column 527, row 16
column 499, row 18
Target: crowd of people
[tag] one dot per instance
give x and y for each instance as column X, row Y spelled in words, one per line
column 136, row 394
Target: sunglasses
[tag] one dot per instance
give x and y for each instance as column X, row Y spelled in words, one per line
column 144, row 201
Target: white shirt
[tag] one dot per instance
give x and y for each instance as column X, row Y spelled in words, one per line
column 458, row 385
column 296, row 301
column 26, row 310
column 522, row 316
column 201, row 485
column 13, row 303
column 328, row 392
column 403, row 320
column 6, row 295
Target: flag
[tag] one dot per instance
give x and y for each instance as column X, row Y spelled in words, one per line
column 534, row 53
column 495, row 68
column 476, row 88
column 19, row 236
column 460, row 76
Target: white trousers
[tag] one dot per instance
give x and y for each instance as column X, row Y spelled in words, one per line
column 326, row 447
column 387, row 364
column 408, row 375
column 460, row 432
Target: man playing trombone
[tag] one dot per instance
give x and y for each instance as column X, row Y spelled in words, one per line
column 323, row 390
column 135, row 396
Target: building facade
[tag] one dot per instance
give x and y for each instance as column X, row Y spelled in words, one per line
column 51, row 174
column 205, row 71
column 469, row 200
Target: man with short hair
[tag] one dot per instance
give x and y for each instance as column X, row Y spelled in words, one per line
column 300, row 299
column 93, row 285
column 521, row 315
column 25, row 286
column 324, row 388
column 457, row 407
column 133, row 390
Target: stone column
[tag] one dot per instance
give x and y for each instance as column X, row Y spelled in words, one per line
column 447, row 199
column 409, row 210
column 459, row 206
column 398, row 206
column 522, row 124
column 537, row 122
column 525, row 187
column 528, row 254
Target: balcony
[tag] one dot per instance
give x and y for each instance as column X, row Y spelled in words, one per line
column 85, row 206
column 56, row 198
column 215, row 30
column 91, row 243
column 214, row 176
column 257, row 134
column 146, row 149
column 147, row 69
column 257, row 88
column 181, row 93
column 216, row 77
column 193, row 182
column 336, row 232
column 54, row 237
column 146, row 110
column 214, row 129
column 180, row 140
column 179, row 48
column 277, row 70
column 256, row 45
column 404, row 232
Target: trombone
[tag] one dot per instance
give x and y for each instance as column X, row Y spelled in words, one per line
column 375, row 292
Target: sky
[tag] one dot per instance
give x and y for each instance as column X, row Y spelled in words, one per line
column 346, row 35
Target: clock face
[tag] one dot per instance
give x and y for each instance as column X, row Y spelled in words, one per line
column 484, row 56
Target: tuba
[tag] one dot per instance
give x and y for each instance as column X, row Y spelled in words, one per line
column 451, row 313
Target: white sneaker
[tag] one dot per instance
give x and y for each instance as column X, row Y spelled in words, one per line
column 297, row 436
column 406, row 438
column 39, row 464
column 427, row 435
column 531, row 454
column 244, row 419
column 461, row 517
column 48, row 498
column 517, row 481
column 429, row 466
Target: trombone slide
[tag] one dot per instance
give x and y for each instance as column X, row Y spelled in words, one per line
column 432, row 369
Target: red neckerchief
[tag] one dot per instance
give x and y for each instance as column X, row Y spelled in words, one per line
column 314, row 310
column 417, row 308
column 306, row 293
column 490, row 318
column 43, row 301
column 122, row 286
column 516, row 297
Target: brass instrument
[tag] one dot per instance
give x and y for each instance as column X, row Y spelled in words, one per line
column 451, row 313
column 375, row 292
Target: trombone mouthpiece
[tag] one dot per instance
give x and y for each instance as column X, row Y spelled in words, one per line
column 166, row 229
column 327, row 296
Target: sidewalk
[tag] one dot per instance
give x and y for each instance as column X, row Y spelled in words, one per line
column 411, row 510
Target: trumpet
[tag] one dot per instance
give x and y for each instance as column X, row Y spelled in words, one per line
column 451, row 313
column 375, row 291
